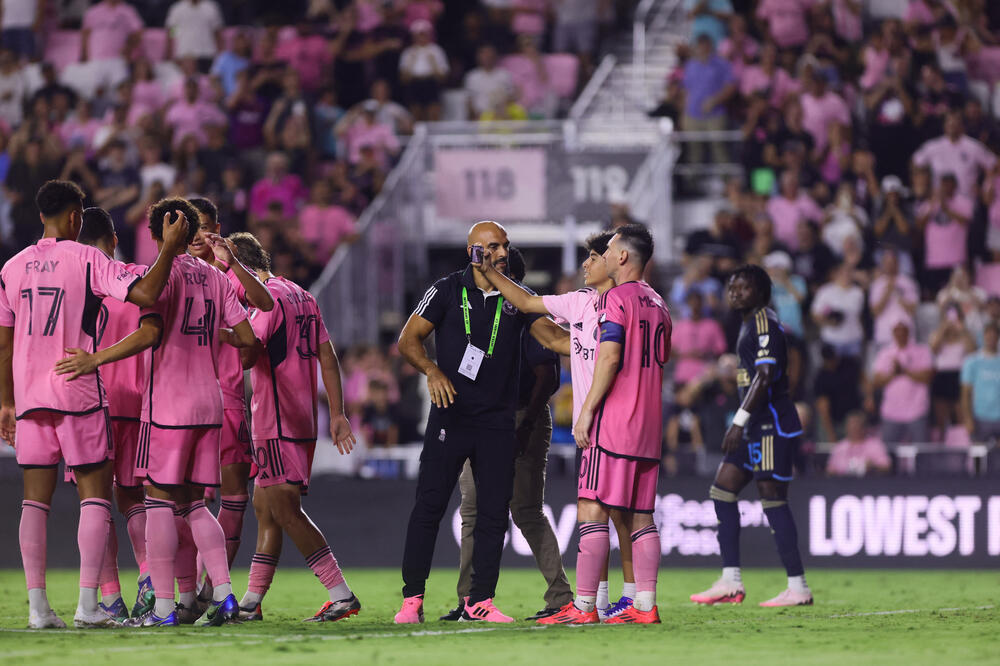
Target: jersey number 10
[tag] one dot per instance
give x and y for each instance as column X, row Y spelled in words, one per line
column 658, row 349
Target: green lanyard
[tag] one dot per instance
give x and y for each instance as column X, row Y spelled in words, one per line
column 468, row 328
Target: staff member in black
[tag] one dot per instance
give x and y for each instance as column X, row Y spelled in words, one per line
column 474, row 390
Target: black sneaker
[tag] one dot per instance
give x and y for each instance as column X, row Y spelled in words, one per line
column 545, row 612
column 454, row 615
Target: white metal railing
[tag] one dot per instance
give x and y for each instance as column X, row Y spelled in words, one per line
column 645, row 13
column 589, row 93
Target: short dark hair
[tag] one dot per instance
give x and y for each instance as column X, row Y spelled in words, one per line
column 167, row 206
column 206, row 208
column 758, row 277
column 598, row 242
column 97, row 226
column 515, row 264
column 638, row 239
column 250, row 252
column 57, row 196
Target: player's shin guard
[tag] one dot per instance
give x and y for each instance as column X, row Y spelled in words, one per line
column 135, row 524
column 786, row 537
column 211, row 542
column 325, row 566
column 645, row 563
column 728, row 513
column 161, row 548
column 32, row 537
column 185, row 566
column 595, row 543
column 231, row 512
column 108, row 580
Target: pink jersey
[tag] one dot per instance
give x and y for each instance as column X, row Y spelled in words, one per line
column 579, row 310
column 50, row 294
column 629, row 422
column 183, row 390
column 123, row 380
column 284, row 377
column 230, row 366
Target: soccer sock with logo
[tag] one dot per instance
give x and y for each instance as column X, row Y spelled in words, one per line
column 595, row 543
column 161, row 548
column 135, row 524
column 92, row 540
column 646, row 563
column 786, row 537
column 111, row 588
column 32, row 537
column 325, row 566
column 211, row 544
column 262, row 568
column 231, row 512
column 727, row 511
column 185, row 566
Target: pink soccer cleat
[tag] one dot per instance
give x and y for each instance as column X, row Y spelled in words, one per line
column 789, row 597
column 412, row 611
column 484, row 611
column 633, row 615
column 722, row 592
column 570, row 614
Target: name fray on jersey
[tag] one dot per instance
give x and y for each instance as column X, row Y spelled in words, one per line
column 40, row 266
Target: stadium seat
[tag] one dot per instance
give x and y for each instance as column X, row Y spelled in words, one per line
column 154, row 44
column 63, row 48
column 563, row 70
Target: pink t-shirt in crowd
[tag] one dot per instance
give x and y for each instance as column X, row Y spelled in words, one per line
column 739, row 57
column 379, row 135
column 904, row 400
column 149, row 95
column 853, row 458
column 846, row 23
column 123, row 380
column 819, row 113
column 284, row 379
column 185, row 119
column 183, row 369
column 630, row 421
column 309, row 56
column 324, row 227
column 780, row 84
column 944, row 237
column 787, row 213
column 110, row 27
column 876, row 61
column 579, row 310
column 786, row 20
column 704, row 335
column 904, row 291
column 289, row 191
column 75, row 134
column 47, row 295
column 964, row 158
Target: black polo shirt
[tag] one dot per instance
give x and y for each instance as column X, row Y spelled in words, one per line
column 491, row 400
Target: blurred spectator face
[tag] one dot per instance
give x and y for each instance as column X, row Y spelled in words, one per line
column 789, row 184
column 421, row 36
column 486, row 56
column 703, row 47
column 948, row 186
column 321, row 193
column 190, row 91
column 921, row 178
column 973, row 111
column 276, row 166
column 116, row 155
column 142, row 70
column 768, row 55
column 241, row 44
column 7, row 60
column 695, row 302
column 33, row 152
column 993, row 308
column 290, row 82
column 737, row 27
column 889, row 263
column 817, row 83
column 960, row 278
column 793, row 115
column 901, row 334
column 149, row 152
column 991, row 338
column 806, row 232
column 380, row 91
column 231, row 178
column 931, row 78
column 855, row 427
column 953, row 125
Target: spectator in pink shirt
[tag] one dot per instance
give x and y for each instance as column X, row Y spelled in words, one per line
column 822, row 108
column 859, row 453
column 790, row 206
column 785, row 21
column 903, row 371
column 956, row 153
column 768, row 78
column 277, row 185
column 944, row 221
column 191, row 115
column 79, row 130
column 360, row 126
column 325, row 225
column 111, row 29
column 892, row 296
column 847, row 19
column 696, row 340
column 739, row 48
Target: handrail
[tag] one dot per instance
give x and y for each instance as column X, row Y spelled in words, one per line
column 589, row 93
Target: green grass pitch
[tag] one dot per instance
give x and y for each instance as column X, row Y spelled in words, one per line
column 867, row 617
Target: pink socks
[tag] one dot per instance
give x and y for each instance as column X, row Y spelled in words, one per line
column 595, row 543
column 92, row 539
column 185, row 566
column 161, row 545
column 231, row 520
column 135, row 523
column 108, row 580
column 262, row 573
column 325, row 566
column 646, row 558
column 31, row 534
column 210, row 540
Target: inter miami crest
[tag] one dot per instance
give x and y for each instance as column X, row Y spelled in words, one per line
column 509, row 308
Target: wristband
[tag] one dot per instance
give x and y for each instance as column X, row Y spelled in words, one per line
column 741, row 418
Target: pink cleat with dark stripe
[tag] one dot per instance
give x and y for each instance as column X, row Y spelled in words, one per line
column 722, row 592
column 484, row 611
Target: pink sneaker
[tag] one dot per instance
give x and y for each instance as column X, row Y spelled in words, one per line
column 722, row 592
column 412, row 611
column 789, row 597
column 484, row 611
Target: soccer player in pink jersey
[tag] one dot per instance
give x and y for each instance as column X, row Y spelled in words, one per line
column 579, row 309
column 50, row 299
column 292, row 339
column 235, row 451
column 622, row 418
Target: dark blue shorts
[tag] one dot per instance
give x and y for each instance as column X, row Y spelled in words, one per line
column 766, row 455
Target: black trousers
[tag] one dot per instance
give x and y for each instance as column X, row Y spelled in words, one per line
column 491, row 454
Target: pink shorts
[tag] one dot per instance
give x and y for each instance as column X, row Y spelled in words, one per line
column 281, row 461
column 126, row 437
column 618, row 483
column 44, row 438
column 178, row 456
column 235, row 447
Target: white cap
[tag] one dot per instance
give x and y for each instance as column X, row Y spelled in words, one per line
column 778, row 259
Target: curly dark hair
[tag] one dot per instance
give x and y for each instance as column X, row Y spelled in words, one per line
column 165, row 207
column 250, row 252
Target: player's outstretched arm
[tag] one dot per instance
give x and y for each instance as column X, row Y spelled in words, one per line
column 340, row 427
column 241, row 336
column 512, row 291
column 81, row 362
column 148, row 288
column 551, row 336
column 7, row 411
column 411, row 346
column 257, row 293
column 755, row 398
column 609, row 358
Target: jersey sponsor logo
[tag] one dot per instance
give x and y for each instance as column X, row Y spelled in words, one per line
column 762, row 340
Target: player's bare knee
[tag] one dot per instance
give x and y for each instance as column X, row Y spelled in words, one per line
column 94, row 481
column 286, row 505
column 772, row 492
column 590, row 511
column 40, row 484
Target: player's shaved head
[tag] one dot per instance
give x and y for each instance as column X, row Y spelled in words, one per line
column 480, row 231
column 493, row 237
